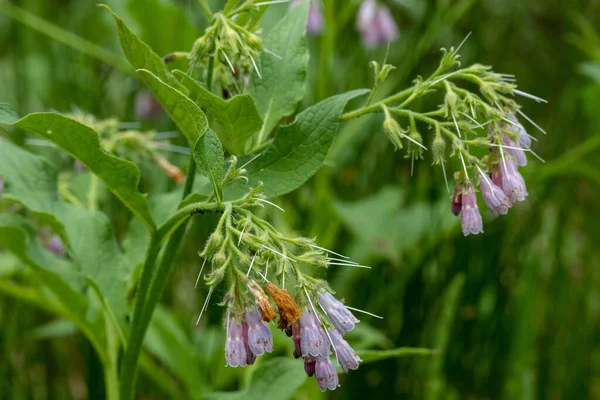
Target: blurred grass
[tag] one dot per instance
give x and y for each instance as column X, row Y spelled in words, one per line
column 514, row 313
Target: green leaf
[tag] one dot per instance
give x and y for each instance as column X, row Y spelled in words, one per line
column 283, row 82
column 87, row 234
column 7, row 114
column 121, row 176
column 278, row 378
column 376, row 355
column 139, row 54
column 298, row 150
column 235, row 120
column 208, row 154
column 58, row 274
column 188, row 117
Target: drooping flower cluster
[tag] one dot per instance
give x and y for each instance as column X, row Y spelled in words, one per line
column 375, row 24
column 504, row 186
column 251, row 251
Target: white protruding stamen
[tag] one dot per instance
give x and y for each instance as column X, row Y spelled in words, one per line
column 254, row 158
column 276, row 252
column 509, row 147
column 485, row 178
column 463, row 42
column 346, row 261
column 472, row 119
column 241, row 234
column 349, row 265
column 205, row 305
column 530, row 96
column 521, row 113
column 283, row 279
column 255, row 67
column 415, row 142
column 328, row 251
column 266, row 270
column 273, row 54
column 266, row 3
column 464, row 165
column 445, row 177
column 270, row 203
column 536, row 156
column 364, row 312
column 200, row 274
column 228, row 62
column 472, row 110
column 251, row 263
column 456, row 124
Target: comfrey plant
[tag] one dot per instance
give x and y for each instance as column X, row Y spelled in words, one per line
column 228, row 105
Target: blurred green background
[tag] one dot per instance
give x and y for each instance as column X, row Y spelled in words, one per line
column 513, row 313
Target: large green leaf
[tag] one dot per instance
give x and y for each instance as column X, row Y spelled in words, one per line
column 188, row 117
column 208, row 154
column 139, row 54
column 88, row 235
column 298, row 150
column 278, row 378
column 283, row 82
column 121, row 176
column 235, row 120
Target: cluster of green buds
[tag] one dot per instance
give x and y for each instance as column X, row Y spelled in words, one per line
column 246, row 253
column 230, row 46
column 465, row 119
column 117, row 138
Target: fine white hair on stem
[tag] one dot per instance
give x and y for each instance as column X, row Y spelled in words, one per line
column 171, row 147
column 255, row 67
column 363, row 311
column 472, row 110
column 443, row 78
column 200, row 274
column 513, row 123
column 348, row 265
column 529, row 96
column 270, row 203
column 205, row 305
column 328, row 251
column 463, row 163
column 521, row 113
column 251, row 264
column 278, row 253
column 509, row 147
column 472, row 119
column 319, row 319
column 264, row 277
column 331, row 341
column 272, row 54
column 536, row 155
column 485, row 178
column 228, row 62
column 463, row 42
column 346, row 261
column 456, row 124
column 253, row 158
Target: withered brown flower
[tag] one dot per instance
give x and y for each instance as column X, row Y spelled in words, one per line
column 289, row 312
column 262, row 301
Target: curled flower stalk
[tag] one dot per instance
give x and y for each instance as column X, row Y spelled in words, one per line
column 250, row 254
column 463, row 121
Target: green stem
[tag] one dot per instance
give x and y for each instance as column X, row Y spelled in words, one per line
column 151, row 287
column 209, row 73
column 206, row 9
column 93, row 194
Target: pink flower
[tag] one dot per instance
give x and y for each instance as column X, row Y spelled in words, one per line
column 515, row 151
column 340, row 316
column 313, row 339
column 260, row 339
column 470, row 217
column 457, row 200
column 513, row 183
column 375, row 24
column 346, row 356
column 235, row 349
column 493, row 196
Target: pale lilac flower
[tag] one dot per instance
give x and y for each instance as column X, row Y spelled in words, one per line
column 470, row 217
column 375, row 24
column 260, row 338
column 346, row 356
column 309, row 366
column 250, row 356
column 313, row 340
column 515, row 151
column 524, row 137
column 55, row 245
column 235, row 349
column 296, row 339
column 315, row 22
column 340, row 316
column 493, row 196
column 325, row 374
column 457, row 200
column 513, row 183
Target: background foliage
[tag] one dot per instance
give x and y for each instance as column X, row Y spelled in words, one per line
column 514, row 313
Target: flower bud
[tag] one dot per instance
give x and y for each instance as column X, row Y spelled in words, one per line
column 250, row 356
column 309, row 366
column 438, row 147
column 451, row 99
column 457, row 199
column 296, row 339
column 394, row 132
